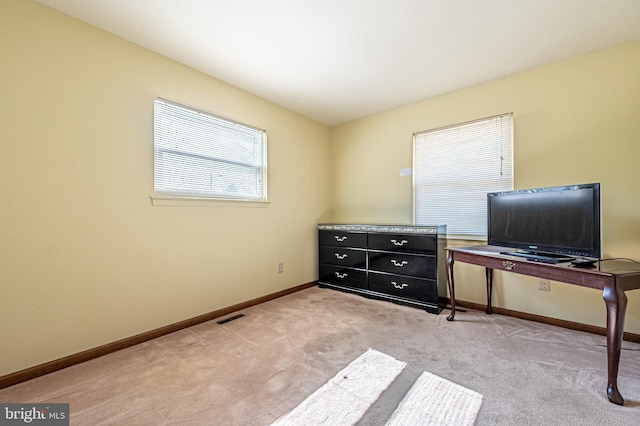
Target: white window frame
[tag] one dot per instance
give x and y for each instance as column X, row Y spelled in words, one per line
column 201, row 157
column 455, row 167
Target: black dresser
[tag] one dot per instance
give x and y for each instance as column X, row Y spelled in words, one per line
column 399, row 263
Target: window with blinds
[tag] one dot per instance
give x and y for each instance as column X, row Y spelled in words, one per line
column 197, row 154
column 454, row 169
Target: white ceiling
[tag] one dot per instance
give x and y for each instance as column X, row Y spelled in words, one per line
column 339, row 60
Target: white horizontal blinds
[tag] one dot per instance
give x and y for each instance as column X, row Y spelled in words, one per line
column 454, row 169
column 201, row 155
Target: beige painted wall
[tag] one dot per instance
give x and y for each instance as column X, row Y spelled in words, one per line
column 86, row 259
column 574, row 121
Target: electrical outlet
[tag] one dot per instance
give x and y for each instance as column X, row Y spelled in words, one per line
column 544, row 285
column 280, row 267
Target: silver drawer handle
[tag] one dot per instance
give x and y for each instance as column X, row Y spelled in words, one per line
column 396, row 243
column 339, row 275
column 399, row 286
column 399, row 264
column 508, row 265
column 340, row 239
column 344, row 256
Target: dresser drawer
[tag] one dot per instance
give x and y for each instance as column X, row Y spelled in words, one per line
column 343, row 239
column 404, row 264
column 343, row 276
column 402, row 286
column 343, row 256
column 403, row 242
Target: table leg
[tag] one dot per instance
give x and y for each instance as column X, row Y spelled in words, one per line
column 616, row 302
column 489, row 274
column 452, row 297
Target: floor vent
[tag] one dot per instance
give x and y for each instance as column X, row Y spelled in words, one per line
column 231, row 318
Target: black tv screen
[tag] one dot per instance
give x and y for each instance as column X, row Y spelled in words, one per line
column 560, row 220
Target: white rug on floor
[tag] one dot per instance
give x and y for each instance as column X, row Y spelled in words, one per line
column 433, row 400
column 345, row 398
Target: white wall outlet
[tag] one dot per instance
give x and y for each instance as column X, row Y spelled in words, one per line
column 280, row 267
column 544, row 285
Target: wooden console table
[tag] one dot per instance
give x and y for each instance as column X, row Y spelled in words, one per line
column 613, row 277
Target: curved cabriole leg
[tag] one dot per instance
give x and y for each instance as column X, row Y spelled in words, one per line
column 452, row 297
column 616, row 302
column 489, row 274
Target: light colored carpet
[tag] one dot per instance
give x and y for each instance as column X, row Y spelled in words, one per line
column 434, row 401
column 344, row 399
column 257, row 368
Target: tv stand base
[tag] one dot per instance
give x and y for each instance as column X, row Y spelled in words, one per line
column 538, row 257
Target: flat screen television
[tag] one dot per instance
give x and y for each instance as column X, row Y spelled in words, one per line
column 552, row 224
